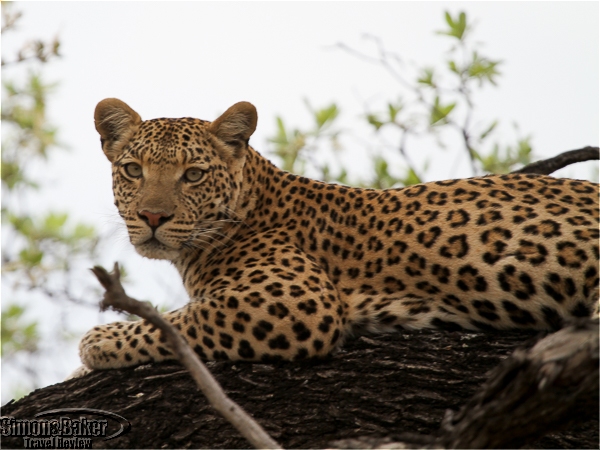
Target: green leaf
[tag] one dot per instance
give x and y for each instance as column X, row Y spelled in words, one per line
column 22, row 224
column 375, row 121
column 326, row 116
column 31, row 257
column 282, row 137
column 411, row 178
column 475, row 154
column 488, row 130
column 394, row 109
column 440, row 112
column 426, row 77
column 452, row 66
column 524, row 150
column 509, row 158
column 381, row 167
column 17, row 335
column 83, row 231
column 449, row 20
column 456, row 27
column 343, row 176
column 54, row 222
column 382, row 179
column 325, row 172
column 12, row 175
column 483, row 69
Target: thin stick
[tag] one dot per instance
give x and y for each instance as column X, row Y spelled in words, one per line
column 116, row 298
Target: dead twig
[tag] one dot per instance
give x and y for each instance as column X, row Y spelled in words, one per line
column 116, row 298
column 547, row 166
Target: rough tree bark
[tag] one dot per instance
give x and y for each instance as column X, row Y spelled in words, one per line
column 549, row 387
column 375, row 387
column 546, row 388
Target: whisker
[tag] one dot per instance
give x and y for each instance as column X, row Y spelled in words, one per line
column 215, row 248
column 198, row 235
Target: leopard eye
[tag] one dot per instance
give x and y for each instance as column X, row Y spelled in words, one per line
column 193, row 175
column 133, row 170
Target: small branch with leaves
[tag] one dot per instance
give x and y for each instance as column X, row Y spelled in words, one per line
column 31, row 50
column 442, row 98
column 116, row 298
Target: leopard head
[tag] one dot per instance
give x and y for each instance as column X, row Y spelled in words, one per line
column 176, row 182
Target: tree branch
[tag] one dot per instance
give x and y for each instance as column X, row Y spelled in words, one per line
column 532, row 393
column 547, row 166
column 116, row 298
column 375, row 386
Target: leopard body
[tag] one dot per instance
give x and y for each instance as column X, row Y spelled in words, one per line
column 283, row 267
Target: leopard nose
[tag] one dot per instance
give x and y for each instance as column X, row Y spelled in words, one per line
column 154, row 220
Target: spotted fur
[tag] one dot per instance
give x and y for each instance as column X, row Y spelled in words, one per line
column 279, row 266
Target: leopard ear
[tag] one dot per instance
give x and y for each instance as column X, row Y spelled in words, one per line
column 235, row 126
column 116, row 122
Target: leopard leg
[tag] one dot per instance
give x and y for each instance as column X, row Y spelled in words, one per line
column 273, row 314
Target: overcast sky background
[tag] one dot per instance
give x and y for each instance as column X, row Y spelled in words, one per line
column 197, row 59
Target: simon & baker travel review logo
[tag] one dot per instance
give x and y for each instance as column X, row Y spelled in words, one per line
column 65, row 428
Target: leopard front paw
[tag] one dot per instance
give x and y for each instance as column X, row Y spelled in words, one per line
column 111, row 347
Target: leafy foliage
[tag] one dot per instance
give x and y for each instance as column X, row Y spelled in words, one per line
column 17, row 334
column 294, row 146
column 438, row 103
column 38, row 247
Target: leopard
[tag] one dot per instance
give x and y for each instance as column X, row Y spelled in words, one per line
column 281, row 267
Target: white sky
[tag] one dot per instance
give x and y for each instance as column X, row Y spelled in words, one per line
column 172, row 59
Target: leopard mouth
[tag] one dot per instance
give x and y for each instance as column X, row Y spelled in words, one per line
column 155, row 249
column 154, row 241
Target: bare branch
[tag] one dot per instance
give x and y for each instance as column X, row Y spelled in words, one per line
column 116, row 298
column 547, row 166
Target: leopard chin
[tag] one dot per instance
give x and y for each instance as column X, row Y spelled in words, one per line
column 154, row 249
